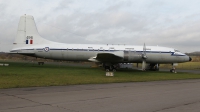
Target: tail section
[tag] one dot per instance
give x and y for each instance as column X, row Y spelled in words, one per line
column 27, row 33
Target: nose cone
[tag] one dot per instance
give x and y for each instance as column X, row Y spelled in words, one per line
column 190, row 59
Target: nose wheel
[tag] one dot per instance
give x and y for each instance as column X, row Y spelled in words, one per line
column 173, row 70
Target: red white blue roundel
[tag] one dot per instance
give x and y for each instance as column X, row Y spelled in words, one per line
column 46, row 49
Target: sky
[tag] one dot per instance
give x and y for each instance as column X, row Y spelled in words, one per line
column 169, row 23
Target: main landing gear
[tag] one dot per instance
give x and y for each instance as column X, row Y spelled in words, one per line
column 153, row 67
column 110, row 68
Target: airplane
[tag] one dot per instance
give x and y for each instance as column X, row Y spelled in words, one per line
column 29, row 42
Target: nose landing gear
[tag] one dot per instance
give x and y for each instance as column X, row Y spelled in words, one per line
column 173, row 70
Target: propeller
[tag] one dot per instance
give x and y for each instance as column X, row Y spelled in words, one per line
column 144, row 57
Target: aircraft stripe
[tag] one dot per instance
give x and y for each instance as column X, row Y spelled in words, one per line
column 39, row 49
column 172, row 53
column 100, row 50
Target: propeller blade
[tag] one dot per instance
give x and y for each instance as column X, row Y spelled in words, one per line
column 144, row 57
column 144, row 49
column 144, row 52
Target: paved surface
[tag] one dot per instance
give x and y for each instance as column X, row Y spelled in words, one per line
column 158, row 96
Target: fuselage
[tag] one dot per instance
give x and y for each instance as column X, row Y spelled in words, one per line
column 84, row 52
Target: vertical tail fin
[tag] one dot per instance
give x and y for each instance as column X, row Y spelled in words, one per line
column 27, row 33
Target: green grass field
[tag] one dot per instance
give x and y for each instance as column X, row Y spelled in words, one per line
column 188, row 66
column 18, row 75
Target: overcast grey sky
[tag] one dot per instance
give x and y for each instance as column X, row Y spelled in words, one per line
column 170, row 23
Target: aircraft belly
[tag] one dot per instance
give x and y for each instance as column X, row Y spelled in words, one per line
column 152, row 57
column 57, row 54
column 69, row 55
column 53, row 54
column 90, row 54
column 79, row 55
column 43, row 54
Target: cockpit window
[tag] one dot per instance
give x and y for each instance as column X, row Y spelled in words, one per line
column 176, row 50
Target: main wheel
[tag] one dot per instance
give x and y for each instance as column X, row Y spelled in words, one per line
column 172, row 70
column 107, row 70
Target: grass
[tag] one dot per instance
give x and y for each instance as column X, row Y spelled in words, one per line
column 19, row 75
column 188, row 65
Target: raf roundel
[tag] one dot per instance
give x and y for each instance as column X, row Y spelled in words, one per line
column 46, row 49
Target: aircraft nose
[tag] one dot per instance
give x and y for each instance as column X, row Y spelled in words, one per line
column 190, row 59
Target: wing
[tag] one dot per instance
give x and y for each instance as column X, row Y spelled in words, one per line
column 108, row 57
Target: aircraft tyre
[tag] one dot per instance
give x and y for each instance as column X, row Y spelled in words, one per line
column 173, row 71
column 107, row 70
column 114, row 70
column 110, row 68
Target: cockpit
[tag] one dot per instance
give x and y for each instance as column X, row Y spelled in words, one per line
column 175, row 50
column 178, row 53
